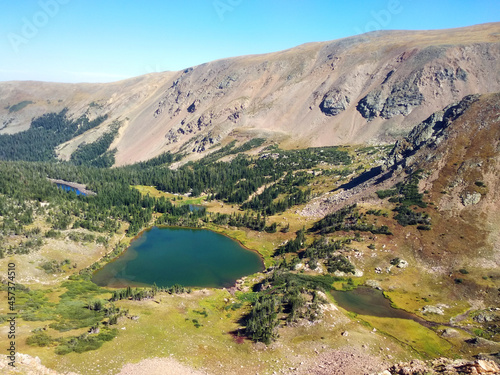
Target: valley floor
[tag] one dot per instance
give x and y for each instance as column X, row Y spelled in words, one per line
column 200, row 332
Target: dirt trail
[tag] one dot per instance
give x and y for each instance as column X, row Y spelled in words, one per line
column 159, row 366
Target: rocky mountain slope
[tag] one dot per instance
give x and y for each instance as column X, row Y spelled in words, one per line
column 456, row 154
column 370, row 88
column 459, row 151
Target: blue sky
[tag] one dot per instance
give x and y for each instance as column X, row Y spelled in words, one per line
column 102, row 41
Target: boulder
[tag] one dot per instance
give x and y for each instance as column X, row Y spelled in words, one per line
column 433, row 310
column 470, row 198
column 402, row 263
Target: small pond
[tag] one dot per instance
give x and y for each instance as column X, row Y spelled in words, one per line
column 189, row 257
column 369, row 301
column 196, row 207
column 70, row 188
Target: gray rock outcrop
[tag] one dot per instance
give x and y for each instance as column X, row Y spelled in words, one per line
column 227, row 81
column 403, row 97
column 371, row 105
column 446, row 366
column 426, row 134
column 402, row 100
column 333, row 103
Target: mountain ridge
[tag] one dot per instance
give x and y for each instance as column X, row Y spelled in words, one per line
column 369, row 88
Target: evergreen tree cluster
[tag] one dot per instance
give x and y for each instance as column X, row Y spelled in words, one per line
column 139, row 294
column 96, row 154
column 45, row 133
column 284, row 297
column 322, row 248
column 405, row 194
column 293, row 246
column 347, row 219
column 288, row 186
column 262, row 321
column 247, row 220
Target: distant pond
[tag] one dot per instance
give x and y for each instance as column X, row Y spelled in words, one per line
column 79, row 189
column 70, row 188
column 189, row 257
column 369, row 301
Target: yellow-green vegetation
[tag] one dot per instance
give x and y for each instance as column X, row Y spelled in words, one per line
column 420, row 339
column 168, row 328
column 176, row 198
column 200, row 330
column 348, row 284
column 414, row 300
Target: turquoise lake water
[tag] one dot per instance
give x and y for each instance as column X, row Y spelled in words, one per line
column 189, row 257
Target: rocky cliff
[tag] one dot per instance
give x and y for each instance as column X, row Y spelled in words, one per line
column 426, row 136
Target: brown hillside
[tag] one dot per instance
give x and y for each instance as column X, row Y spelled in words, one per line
column 465, row 185
column 369, row 88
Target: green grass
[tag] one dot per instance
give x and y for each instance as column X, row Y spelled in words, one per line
column 69, row 313
column 73, row 315
column 81, row 289
column 423, row 340
column 166, row 329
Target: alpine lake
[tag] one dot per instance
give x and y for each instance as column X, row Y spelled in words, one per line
column 189, row 257
column 202, row 258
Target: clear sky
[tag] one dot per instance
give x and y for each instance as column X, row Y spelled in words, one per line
column 101, row 41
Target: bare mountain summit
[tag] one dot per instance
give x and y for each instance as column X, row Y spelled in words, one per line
column 371, row 88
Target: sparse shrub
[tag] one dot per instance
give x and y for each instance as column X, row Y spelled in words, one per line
column 395, row 261
column 376, row 212
column 340, row 263
column 87, row 237
column 39, row 339
column 386, row 193
column 102, row 240
column 424, row 227
column 51, row 267
column 74, row 237
column 53, row 234
column 313, row 263
column 85, row 342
